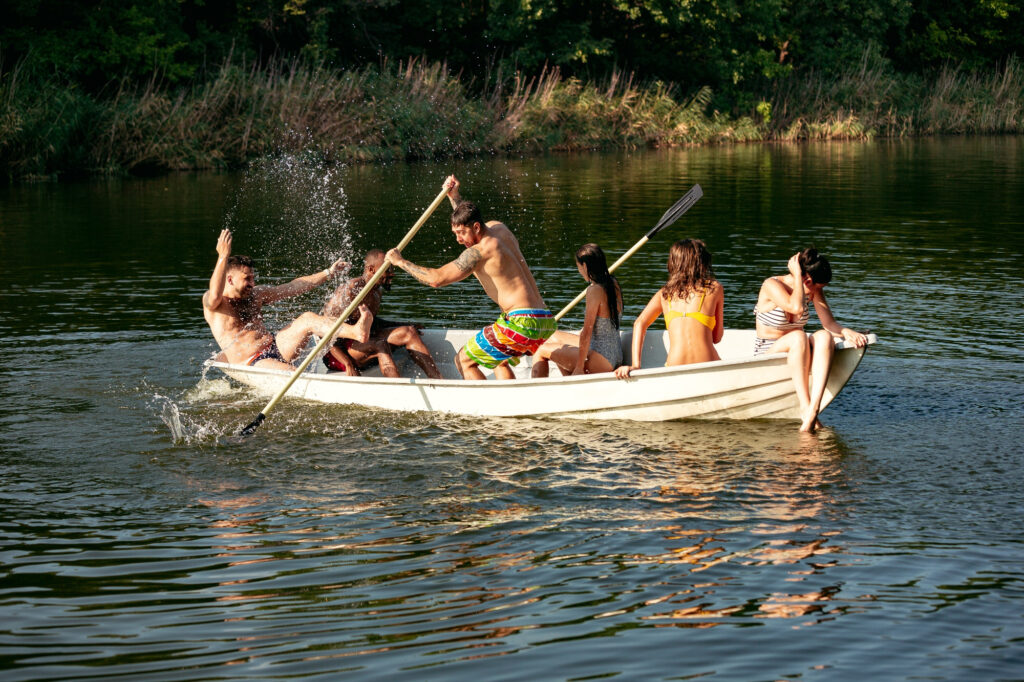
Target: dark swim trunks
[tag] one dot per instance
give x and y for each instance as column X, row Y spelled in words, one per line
column 334, row 363
column 268, row 352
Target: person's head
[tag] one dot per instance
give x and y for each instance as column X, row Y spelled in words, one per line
column 815, row 267
column 689, row 268
column 240, row 277
column 372, row 262
column 467, row 224
column 594, row 268
column 591, row 262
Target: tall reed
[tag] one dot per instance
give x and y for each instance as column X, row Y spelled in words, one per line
column 870, row 99
column 415, row 109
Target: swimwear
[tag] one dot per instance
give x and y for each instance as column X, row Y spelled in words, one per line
column 606, row 341
column 334, row 363
column 514, row 334
column 268, row 352
column 763, row 345
column 706, row 320
column 776, row 318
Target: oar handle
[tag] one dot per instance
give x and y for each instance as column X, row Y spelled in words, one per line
column 329, row 337
column 612, row 268
column 671, row 215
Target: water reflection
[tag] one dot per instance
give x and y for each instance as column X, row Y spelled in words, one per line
column 141, row 539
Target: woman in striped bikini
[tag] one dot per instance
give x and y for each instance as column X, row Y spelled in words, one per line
column 691, row 302
column 781, row 314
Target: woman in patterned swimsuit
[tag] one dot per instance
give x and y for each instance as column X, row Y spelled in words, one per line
column 597, row 348
column 781, row 314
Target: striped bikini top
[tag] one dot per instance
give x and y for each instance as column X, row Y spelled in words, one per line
column 778, row 319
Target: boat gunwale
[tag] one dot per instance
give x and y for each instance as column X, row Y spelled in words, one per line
column 421, row 382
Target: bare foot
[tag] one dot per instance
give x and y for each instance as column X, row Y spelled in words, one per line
column 362, row 325
column 809, row 420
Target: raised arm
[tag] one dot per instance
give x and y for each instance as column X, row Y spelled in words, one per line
column 644, row 320
column 215, row 294
column 300, row 285
column 451, row 184
column 791, row 302
column 456, row 271
column 821, row 307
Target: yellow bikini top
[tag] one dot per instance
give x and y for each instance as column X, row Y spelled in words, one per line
column 706, row 320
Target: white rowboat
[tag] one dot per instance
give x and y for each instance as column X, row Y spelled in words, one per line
column 739, row 386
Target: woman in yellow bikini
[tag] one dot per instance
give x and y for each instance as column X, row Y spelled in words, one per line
column 691, row 302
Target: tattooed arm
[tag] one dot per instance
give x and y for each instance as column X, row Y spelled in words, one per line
column 456, row 271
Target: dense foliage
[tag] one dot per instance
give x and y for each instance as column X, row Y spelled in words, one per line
column 732, row 46
column 104, row 86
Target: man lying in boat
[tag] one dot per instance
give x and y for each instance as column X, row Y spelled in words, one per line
column 492, row 256
column 233, row 307
column 349, row 355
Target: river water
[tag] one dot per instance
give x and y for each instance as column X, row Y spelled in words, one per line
column 140, row 539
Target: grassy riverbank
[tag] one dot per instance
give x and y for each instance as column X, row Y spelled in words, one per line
column 50, row 129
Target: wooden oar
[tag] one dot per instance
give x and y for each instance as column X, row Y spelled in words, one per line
column 671, row 215
column 252, row 426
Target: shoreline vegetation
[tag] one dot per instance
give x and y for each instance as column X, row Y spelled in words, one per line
column 51, row 129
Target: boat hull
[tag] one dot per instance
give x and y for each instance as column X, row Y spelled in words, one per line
column 740, row 386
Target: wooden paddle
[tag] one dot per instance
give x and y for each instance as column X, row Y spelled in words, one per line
column 671, row 215
column 252, row 426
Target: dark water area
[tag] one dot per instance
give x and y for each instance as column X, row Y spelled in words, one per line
column 140, row 539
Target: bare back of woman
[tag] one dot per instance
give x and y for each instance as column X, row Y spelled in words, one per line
column 694, row 326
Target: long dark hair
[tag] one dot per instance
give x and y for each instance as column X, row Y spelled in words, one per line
column 689, row 269
column 593, row 258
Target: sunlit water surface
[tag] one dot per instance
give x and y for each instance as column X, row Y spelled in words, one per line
column 139, row 538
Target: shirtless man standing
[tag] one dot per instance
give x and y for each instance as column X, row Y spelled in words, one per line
column 347, row 355
column 492, row 255
column 233, row 307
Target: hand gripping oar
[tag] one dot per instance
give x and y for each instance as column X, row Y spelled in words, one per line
column 251, row 428
column 671, row 215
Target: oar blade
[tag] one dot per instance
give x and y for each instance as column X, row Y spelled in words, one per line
column 251, row 427
column 677, row 210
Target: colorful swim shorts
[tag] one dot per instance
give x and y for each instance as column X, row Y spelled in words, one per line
column 516, row 333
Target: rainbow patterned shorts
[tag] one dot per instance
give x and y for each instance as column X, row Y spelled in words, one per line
column 516, row 333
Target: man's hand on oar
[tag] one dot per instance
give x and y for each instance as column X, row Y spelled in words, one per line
column 261, row 417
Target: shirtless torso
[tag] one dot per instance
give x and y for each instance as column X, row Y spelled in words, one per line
column 233, row 307
column 492, row 255
column 237, row 326
column 499, row 266
column 337, row 303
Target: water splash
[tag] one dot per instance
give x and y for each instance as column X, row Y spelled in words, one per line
column 184, row 428
column 304, row 194
column 290, row 214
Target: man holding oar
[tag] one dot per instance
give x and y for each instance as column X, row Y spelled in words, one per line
column 492, row 256
column 233, row 307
